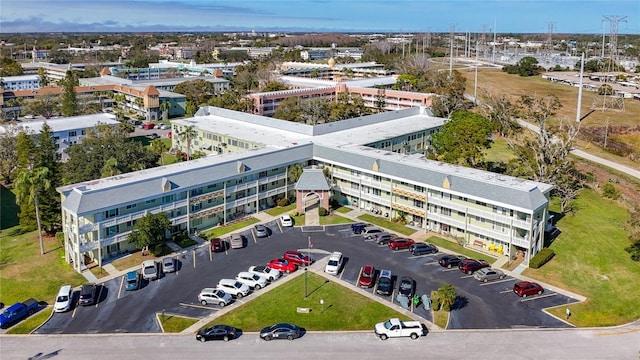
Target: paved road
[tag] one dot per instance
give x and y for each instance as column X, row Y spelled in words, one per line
column 618, row 344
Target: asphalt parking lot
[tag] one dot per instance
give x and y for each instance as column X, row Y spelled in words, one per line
column 479, row 306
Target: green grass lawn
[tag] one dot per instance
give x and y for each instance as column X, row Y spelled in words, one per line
column 404, row 230
column 175, row 324
column 343, row 309
column 218, row 231
column 29, row 324
column 450, row 245
column 8, row 209
column 334, row 220
column 499, row 151
column 343, row 209
column 279, row 210
column 590, row 260
column 24, row 273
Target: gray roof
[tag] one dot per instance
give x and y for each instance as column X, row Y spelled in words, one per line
column 312, row 179
column 471, row 183
column 69, row 123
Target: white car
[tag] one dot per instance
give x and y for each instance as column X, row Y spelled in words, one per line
column 286, row 220
column 271, row 274
column 63, row 300
column 334, row 264
column 252, row 280
column 149, row 270
column 233, row 287
column 164, row 127
column 214, row 296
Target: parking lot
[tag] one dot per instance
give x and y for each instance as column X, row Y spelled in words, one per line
column 479, row 305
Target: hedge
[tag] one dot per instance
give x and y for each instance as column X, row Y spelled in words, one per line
column 541, row 258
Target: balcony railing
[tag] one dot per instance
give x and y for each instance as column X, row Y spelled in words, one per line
column 409, row 194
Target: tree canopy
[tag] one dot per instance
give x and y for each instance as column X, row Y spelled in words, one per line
column 87, row 160
column 463, row 139
column 527, row 66
column 150, row 231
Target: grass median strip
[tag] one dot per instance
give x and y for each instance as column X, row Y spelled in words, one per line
column 341, row 308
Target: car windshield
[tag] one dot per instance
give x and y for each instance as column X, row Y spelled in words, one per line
column 62, row 298
column 333, row 262
column 238, row 284
column 255, row 277
column 366, row 275
column 406, row 285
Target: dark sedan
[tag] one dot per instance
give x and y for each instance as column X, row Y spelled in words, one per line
column 422, row 248
column 469, row 266
column 280, row 331
column 407, row 287
column 450, row 261
column 87, row 295
column 216, row 332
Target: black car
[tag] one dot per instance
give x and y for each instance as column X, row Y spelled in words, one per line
column 87, row 294
column 280, row 331
column 422, row 248
column 450, row 261
column 216, row 332
column 385, row 283
column 407, row 287
column 384, row 238
column 358, row 227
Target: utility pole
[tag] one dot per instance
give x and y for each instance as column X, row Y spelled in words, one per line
column 493, row 53
column 475, row 82
column 580, row 89
column 452, row 28
column 606, row 132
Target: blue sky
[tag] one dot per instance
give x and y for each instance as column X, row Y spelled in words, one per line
column 518, row 16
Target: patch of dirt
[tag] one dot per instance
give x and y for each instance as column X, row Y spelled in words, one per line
column 629, row 190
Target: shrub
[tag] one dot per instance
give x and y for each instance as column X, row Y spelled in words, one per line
column 435, row 300
column 322, row 211
column 610, row 191
column 541, row 258
column 282, row 202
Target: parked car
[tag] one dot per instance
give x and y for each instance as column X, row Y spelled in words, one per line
column 233, row 287
column 252, row 280
column 422, row 248
column 334, row 264
column 450, row 261
column 357, row 228
column 164, row 127
column 385, row 283
column 63, row 300
column 261, row 231
column 286, row 220
column 149, row 270
column 283, row 265
column 400, row 243
column 236, row 241
column 407, row 287
column 154, row 136
column 218, row 245
column 468, row 266
column 383, row 238
column 148, row 126
column 17, row 312
column 367, row 276
column 216, row 332
column 526, row 288
column 297, row 258
column 280, row 331
column 370, row 231
column 214, row 296
column 87, row 294
column 487, row 274
column 132, row 281
column 168, row 265
column 271, row 274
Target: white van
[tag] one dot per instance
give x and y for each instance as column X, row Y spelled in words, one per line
column 63, row 300
column 334, row 264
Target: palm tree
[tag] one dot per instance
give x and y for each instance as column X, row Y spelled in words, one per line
column 187, row 135
column 295, row 172
column 159, row 146
column 164, row 107
column 28, row 185
column 447, row 294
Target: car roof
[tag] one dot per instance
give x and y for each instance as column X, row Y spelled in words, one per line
column 336, row 255
column 285, row 216
column 148, row 263
column 64, row 289
column 385, row 273
column 132, row 274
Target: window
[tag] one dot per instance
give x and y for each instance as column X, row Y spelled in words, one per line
column 376, row 192
column 111, row 213
column 72, row 133
column 131, row 206
column 418, row 203
column 262, row 174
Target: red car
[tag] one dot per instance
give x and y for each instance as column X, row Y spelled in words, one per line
column 525, row 288
column 468, row 266
column 283, row 265
column 367, row 277
column 218, row 245
column 400, row 243
column 297, row 257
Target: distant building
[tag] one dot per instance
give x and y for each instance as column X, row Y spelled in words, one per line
column 21, row 82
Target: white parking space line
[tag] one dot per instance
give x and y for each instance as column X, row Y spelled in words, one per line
column 466, row 276
column 73, row 314
column 120, row 287
column 99, row 295
column 536, row 297
column 430, row 263
column 344, row 230
column 253, row 235
column 506, row 291
column 495, row 282
column 447, row 270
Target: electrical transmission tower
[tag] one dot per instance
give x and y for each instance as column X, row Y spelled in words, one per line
column 606, row 99
column 549, row 44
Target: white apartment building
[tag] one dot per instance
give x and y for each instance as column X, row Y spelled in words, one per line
column 21, row 82
column 374, row 163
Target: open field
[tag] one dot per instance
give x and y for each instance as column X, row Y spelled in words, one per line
column 343, row 309
column 590, row 260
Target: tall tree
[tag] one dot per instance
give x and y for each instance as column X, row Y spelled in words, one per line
column 295, row 172
column 187, row 135
column 46, row 157
column 150, row 231
column 501, row 111
column 69, row 96
column 463, row 139
column 450, row 90
column 29, row 185
column 289, row 110
column 447, row 295
column 8, row 151
column 159, row 146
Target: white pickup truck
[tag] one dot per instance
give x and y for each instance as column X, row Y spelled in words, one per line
column 396, row 328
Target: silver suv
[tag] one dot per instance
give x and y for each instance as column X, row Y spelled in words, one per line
column 214, row 296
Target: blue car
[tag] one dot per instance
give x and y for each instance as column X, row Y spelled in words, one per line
column 132, row 281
